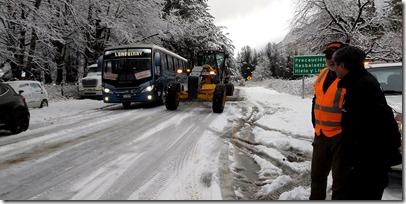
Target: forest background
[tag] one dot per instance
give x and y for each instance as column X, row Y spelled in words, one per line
column 54, row 41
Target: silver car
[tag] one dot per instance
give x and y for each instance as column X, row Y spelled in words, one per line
column 390, row 76
column 36, row 96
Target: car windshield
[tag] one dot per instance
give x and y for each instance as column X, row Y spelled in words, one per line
column 206, row 59
column 214, row 59
column 390, row 78
column 93, row 69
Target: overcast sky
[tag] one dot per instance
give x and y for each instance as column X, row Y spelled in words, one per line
column 253, row 22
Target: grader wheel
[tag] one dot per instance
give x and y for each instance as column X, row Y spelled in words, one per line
column 219, row 98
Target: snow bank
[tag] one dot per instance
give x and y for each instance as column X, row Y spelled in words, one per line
column 293, row 87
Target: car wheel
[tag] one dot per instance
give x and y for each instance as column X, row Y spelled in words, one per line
column 44, row 103
column 21, row 121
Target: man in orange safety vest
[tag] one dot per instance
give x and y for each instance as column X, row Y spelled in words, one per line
column 326, row 119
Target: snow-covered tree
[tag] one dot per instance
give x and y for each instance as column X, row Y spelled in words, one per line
column 55, row 40
column 318, row 22
column 193, row 28
column 262, row 70
column 275, row 59
column 247, row 61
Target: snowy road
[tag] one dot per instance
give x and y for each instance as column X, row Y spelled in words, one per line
column 259, row 148
column 110, row 153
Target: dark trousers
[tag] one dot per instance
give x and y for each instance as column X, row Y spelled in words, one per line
column 327, row 153
column 366, row 183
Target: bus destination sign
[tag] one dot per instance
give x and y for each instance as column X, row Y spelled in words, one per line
column 124, row 53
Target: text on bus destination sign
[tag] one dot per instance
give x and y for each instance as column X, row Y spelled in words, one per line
column 127, row 54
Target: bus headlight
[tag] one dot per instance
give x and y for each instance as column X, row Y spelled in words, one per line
column 148, row 89
column 106, row 90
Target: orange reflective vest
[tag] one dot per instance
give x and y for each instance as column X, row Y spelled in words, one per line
column 327, row 107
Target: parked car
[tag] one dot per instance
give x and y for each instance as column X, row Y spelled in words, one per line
column 91, row 85
column 390, row 76
column 36, row 96
column 14, row 113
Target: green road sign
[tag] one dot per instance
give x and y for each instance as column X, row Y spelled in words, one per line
column 304, row 65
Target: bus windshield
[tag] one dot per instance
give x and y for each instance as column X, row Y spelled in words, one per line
column 131, row 64
column 127, row 65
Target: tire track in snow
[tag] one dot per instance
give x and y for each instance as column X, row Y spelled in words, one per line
column 32, row 148
column 101, row 180
column 165, row 162
column 243, row 141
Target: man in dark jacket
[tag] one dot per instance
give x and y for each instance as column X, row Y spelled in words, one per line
column 370, row 134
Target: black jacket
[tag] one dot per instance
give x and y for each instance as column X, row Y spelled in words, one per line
column 370, row 132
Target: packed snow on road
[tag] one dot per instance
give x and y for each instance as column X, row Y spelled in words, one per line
column 259, row 148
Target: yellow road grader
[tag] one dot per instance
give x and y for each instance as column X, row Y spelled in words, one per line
column 207, row 80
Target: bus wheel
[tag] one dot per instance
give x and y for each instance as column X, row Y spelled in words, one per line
column 127, row 105
column 171, row 97
column 219, row 98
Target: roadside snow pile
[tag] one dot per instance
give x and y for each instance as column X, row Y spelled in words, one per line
column 59, row 92
column 299, row 193
column 61, row 109
column 276, row 184
column 293, row 87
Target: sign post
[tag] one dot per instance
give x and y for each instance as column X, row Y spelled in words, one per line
column 305, row 65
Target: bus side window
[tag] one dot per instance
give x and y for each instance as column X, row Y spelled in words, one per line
column 170, row 63
column 157, row 63
column 176, row 64
column 164, row 62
